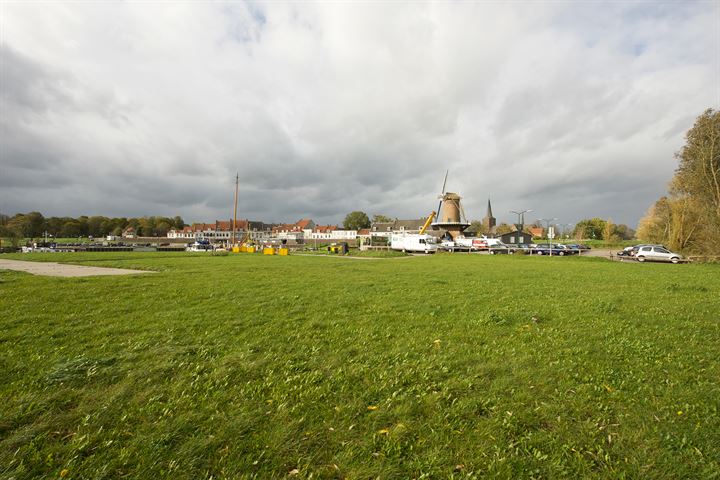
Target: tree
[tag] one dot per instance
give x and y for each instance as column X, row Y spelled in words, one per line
column 698, row 173
column 608, row 233
column 146, row 227
column 178, row 222
column 479, row 227
column 356, row 220
column 36, row 224
column 70, row 229
column 624, row 232
column 377, row 218
column 689, row 217
column 11, row 234
column 504, row 228
column 162, row 227
column 95, row 224
column 590, row 228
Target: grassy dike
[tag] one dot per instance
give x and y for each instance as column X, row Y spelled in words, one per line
column 446, row 366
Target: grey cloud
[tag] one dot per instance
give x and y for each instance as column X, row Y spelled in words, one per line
column 328, row 108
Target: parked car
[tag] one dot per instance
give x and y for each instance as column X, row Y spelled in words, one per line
column 499, row 249
column 549, row 249
column 657, row 253
column 567, row 249
column 625, row 252
column 636, row 248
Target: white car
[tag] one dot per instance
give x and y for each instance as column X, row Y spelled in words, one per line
column 662, row 254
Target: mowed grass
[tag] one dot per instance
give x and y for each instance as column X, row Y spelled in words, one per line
column 448, row 366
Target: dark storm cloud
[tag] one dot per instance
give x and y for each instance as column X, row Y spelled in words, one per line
column 572, row 110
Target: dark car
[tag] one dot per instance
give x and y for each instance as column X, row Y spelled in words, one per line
column 568, row 249
column 499, row 249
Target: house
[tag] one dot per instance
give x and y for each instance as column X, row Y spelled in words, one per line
column 515, row 238
column 185, row 232
column 537, row 232
column 129, row 232
column 386, row 229
column 343, row 234
column 320, row 232
column 363, row 234
column 222, row 230
column 293, row 231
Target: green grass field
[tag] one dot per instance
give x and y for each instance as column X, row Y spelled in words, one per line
column 467, row 366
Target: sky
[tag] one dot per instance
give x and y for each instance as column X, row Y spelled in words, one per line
column 571, row 109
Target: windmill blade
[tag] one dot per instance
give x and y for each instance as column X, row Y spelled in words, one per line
column 462, row 212
column 445, row 182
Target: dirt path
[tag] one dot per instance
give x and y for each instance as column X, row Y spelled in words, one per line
column 53, row 269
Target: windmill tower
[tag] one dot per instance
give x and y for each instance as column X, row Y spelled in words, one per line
column 451, row 216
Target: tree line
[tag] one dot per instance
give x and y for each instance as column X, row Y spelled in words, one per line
column 688, row 217
column 35, row 225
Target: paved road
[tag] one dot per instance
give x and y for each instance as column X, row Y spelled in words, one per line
column 53, row 269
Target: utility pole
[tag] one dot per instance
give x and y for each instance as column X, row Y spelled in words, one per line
column 547, row 221
column 234, row 225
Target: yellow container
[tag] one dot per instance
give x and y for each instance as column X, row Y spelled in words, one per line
column 283, row 251
column 250, row 250
column 268, row 251
column 243, row 248
column 236, row 249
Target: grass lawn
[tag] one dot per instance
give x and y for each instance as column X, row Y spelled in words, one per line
column 448, row 366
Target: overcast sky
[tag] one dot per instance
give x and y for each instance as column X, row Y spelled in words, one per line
column 573, row 109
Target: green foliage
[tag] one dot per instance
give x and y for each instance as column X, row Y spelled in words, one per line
column 504, row 228
column 356, row 220
column 34, row 225
column 381, row 219
column 592, row 228
column 689, row 218
column 415, row 367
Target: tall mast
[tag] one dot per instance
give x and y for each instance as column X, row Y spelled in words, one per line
column 237, row 181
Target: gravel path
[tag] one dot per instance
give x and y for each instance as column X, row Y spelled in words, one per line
column 53, row 269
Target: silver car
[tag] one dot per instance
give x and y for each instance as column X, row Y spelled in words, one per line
column 657, row 253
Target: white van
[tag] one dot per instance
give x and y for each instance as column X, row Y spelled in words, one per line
column 412, row 242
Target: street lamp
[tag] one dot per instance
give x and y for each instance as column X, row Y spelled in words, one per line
column 547, row 221
column 521, row 215
column 521, row 222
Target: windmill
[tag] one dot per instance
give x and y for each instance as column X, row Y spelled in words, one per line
column 451, row 215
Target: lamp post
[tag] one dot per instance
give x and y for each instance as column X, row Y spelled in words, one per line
column 547, row 222
column 521, row 222
column 520, row 214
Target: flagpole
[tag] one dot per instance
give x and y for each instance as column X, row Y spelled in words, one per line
column 234, row 225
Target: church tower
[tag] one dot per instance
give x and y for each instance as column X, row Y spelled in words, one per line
column 489, row 221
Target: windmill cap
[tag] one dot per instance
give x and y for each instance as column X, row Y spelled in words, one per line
column 451, row 196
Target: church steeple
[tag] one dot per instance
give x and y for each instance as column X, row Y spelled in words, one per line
column 489, row 221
